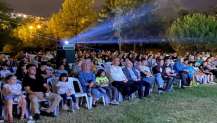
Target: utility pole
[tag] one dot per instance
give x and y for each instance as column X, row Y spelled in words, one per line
column 117, row 25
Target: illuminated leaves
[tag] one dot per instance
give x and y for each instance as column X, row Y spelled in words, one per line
column 74, row 17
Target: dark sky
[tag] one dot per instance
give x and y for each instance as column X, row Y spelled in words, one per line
column 47, row 7
column 35, row 7
column 39, row 7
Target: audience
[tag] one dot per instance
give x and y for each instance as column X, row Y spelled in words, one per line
column 108, row 74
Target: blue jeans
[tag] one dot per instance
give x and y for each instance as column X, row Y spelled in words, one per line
column 184, row 78
column 97, row 92
column 64, row 96
column 159, row 80
column 170, row 81
column 150, row 80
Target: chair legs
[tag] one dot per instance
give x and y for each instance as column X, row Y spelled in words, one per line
column 179, row 83
column 103, row 100
column 89, row 102
column 5, row 115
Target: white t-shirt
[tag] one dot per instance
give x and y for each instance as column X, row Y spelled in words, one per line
column 145, row 69
column 65, row 87
column 16, row 89
column 4, row 73
column 117, row 74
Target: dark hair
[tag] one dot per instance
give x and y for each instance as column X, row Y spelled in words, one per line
column 30, row 65
column 63, row 75
column 99, row 72
column 60, row 65
column 43, row 63
column 143, row 59
column 186, row 59
column 9, row 77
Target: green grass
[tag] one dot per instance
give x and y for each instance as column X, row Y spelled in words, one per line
column 192, row 105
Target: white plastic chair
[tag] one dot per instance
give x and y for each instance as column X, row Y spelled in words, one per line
column 70, row 98
column 89, row 100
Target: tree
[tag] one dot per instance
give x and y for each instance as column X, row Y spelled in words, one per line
column 4, row 7
column 194, row 32
column 74, row 17
column 32, row 33
column 6, row 26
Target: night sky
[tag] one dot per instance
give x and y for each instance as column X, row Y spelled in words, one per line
column 35, row 7
column 47, row 7
column 43, row 8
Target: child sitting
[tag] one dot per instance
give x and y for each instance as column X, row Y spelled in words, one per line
column 103, row 81
column 12, row 92
column 65, row 89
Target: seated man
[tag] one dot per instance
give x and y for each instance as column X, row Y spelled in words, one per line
column 146, row 72
column 134, row 77
column 120, row 81
column 179, row 68
column 88, row 81
column 157, row 71
column 37, row 89
column 169, row 75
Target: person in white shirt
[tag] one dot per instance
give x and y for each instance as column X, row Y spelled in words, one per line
column 120, row 81
column 12, row 92
column 65, row 89
column 4, row 71
column 146, row 72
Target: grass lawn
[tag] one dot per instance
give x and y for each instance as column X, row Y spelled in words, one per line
column 192, row 105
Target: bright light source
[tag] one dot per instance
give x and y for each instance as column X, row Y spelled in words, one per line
column 19, row 15
column 39, row 26
column 66, row 42
column 30, row 27
column 25, row 16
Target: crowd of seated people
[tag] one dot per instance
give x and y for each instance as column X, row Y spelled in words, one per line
column 29, row 79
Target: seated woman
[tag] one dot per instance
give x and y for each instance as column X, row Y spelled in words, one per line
column 65, row 89
column 206, row 71
column 12, row 92
column 201, row 77
column 103, row 81
column 88, row 81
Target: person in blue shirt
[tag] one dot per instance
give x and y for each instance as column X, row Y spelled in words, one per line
column 190, row 69
column 88, row 81
column 179, row 68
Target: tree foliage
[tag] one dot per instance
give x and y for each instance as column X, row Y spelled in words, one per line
column 194, row 32
column 125, row 5
column 74, row 17
column 4, row 7
column 32, row 33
